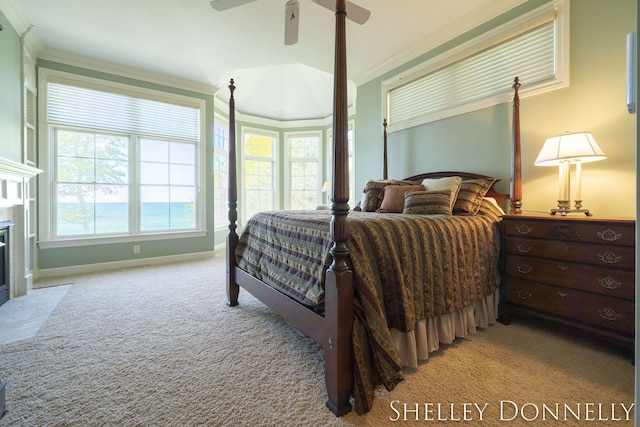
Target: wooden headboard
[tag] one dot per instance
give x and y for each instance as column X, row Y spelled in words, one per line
column 501, row 198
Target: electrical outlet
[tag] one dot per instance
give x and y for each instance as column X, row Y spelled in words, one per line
column 136, row 249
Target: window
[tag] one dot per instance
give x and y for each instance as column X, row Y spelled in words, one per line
column 167, row 185
column 122, row 162
column 480, row 73
column 351, row 160
column 220, row 172
column 259, row 157
column 91, row 183
column 304, row 178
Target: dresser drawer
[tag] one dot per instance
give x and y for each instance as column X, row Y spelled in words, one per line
column 598, row 310
column 588, row 278
column 603, row 255
column 611, row 233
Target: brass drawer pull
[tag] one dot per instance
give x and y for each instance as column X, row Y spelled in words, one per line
column 524, row 229
column 524, row 294
column 524, row 268
column 609, row 235
column 522, row 248
column 563, row 294
column 562, row 267
column 609, row 314
column 609, row 258
column 563, row 248
column 609, row 283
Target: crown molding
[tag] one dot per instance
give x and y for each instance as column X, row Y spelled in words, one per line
column 25, row 30
column 222, row 110
column 11, row 10
column 37, row 49
column 458, row 27
column 94, row 64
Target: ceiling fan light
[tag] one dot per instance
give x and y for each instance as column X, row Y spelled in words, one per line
column 291, row 22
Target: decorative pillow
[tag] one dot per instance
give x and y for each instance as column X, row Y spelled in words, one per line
column 490, row 207
column 371, row 194
column 393, row 197
column 427, row 202
column 494, row 202
column 451, row 183
column 470, row 196
column 370, row 201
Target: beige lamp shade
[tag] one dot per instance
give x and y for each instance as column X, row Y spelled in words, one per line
column 571, row 147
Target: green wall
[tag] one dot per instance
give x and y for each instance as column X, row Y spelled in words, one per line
column 10, row 93
column 595, row 101
column 60, row 257
column 481, row 141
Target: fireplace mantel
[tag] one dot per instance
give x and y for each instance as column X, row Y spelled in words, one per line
column 17, row 200
column 12, row 177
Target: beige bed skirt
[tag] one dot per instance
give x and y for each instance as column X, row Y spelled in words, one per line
column 428, row 334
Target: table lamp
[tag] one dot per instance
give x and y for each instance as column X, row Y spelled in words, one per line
column 326, row 189
column 563, row 151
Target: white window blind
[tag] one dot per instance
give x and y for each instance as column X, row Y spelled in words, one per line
column 481, row 76
column 109, row 111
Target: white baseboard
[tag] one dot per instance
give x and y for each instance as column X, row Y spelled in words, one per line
column 92, row 268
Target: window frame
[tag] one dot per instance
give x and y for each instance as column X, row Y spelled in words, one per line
column 288, row 160
column 47, row 157
column 556, row 11
column 351, row 135
column 244, row 217
column 224, row 222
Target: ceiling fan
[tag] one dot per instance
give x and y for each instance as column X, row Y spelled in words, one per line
column 356, row 13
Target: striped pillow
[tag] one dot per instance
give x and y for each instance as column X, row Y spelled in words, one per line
column 470, row 195
column 447, row 183
column 427, row 202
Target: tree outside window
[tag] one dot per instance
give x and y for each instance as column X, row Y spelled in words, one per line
column 92, row 184
column 259, row 173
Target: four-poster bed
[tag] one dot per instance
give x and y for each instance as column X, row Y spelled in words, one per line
column 344, row 258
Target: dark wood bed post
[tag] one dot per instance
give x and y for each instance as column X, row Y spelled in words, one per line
column 516, row 163
column 232, row 238
column 339, row 306
column 384, row 148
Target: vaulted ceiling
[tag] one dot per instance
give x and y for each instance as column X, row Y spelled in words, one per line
column 188, row 39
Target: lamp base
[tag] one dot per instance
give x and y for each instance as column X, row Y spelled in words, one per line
column 564, row 208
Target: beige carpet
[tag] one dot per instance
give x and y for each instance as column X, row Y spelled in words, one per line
column 157, row 346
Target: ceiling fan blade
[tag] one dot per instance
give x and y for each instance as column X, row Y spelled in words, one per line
column 355, row 13
column 221, row 5
column 291, row 22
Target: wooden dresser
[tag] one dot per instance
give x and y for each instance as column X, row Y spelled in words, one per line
column 579, row 271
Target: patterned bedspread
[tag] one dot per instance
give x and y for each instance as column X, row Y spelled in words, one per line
column 405, row 268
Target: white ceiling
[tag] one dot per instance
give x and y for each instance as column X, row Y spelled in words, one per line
column 189, row 40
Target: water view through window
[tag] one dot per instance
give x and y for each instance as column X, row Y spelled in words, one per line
column 97, row 196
